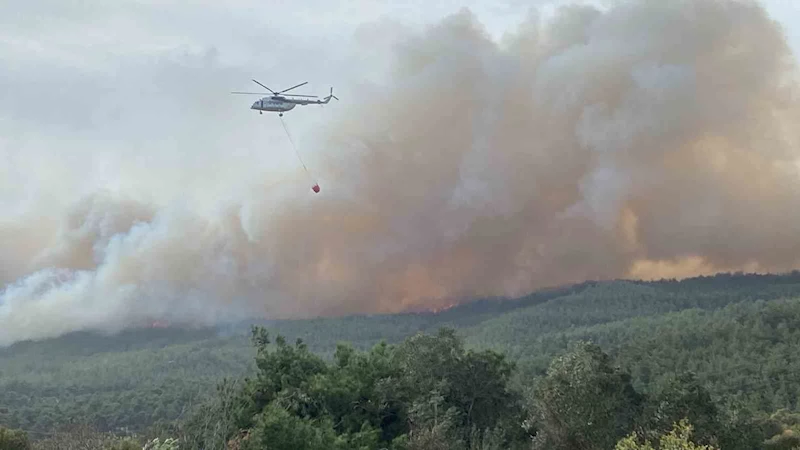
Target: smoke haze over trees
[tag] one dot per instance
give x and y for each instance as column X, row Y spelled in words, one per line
column 648, row 139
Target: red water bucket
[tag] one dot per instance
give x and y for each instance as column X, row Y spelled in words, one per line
column 315, row 188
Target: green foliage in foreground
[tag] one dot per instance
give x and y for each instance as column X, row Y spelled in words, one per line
column 389, row 396
column 737, row 335
column 677, row 439
column 14, row 440
column 429, row 392
column 73, row 438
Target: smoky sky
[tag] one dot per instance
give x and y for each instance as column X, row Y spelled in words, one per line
column 642, row 139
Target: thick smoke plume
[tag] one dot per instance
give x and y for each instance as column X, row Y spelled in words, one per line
column 655, row 138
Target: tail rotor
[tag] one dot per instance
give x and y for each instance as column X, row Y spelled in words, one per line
column 332, row 96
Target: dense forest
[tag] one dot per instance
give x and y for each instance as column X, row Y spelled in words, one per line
column 594, row 365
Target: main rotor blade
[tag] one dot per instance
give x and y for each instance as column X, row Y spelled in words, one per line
column 250, row 93
column 300, row 95
column 286, row 90
column 265, row 87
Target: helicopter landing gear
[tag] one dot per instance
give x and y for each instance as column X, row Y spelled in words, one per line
column 280, row 114
column 261, row 112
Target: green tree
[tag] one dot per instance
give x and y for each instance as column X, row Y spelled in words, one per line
column 474, row 386
column 158, row 444
column 13, row 439
column 584, row 402
column 679, row 438
column 682, row 396
column 426, row 390
column 211, row 423
column 284, row 376
column 276, row 428
column 787, row 434
column 361, row 390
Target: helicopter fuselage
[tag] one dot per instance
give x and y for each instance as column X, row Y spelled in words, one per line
column 280, row 104
column 273, row 105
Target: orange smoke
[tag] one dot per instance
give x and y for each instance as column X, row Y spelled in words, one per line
column 653, row 139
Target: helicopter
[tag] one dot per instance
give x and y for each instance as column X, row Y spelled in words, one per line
column 278, row 102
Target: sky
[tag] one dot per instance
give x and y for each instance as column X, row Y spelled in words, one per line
column 135, row 187
column 116, row 85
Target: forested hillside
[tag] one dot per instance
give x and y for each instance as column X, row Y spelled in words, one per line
column 737, row 333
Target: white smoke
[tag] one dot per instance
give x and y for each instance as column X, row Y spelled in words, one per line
column 650, row 139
